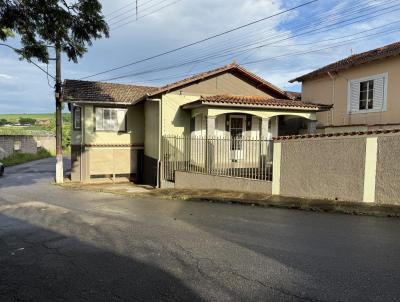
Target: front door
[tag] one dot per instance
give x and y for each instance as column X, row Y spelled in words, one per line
column 237, row 124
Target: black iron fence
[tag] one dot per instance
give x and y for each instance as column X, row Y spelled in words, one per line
column 235, row 157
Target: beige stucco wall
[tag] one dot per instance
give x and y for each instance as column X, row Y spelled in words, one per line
column 323, row 168
column 224, row 84
column 151, row 129
column 387, row 187
column 319, row 90
column 186, row 180
column 133, row 136
column 112, row 160
column 176, row 121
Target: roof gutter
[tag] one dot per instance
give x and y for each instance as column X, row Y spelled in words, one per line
column 98, row 103
column 198, row 104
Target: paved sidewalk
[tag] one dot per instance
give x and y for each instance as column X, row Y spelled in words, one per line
column 245, row 198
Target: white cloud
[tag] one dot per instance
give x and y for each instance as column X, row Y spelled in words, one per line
column 192, row 20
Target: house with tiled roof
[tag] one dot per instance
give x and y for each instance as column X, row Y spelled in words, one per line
column 363, row 90
column 118, row 129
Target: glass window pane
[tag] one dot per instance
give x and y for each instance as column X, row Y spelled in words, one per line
column 77, row 118
column 362, row 105
column 363, row 86
column 370, row 104
column 363, row 95
column 371, row 84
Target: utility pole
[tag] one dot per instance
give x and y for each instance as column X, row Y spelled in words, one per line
column 59, row 159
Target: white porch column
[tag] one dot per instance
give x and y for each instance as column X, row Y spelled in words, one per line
column 312, row 127
column 274, row 126
column 210, row 130
column 264, row 128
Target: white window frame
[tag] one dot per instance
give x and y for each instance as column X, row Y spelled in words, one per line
column 237, row 154
column 75, row 119
column 365, row 79
column 116, row 127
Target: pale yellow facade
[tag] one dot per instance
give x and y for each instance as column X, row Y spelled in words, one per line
column 334, row 89
column 138, row 150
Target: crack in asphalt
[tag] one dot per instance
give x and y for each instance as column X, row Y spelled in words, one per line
column 232, row 271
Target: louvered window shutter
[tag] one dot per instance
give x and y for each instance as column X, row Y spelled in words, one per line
column 99, row 119
column 379, row 94
column 354, row 105
column 121, row 120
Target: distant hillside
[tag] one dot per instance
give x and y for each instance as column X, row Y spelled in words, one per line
column 14, row 118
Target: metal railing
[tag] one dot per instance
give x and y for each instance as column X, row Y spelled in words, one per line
column 237, row 157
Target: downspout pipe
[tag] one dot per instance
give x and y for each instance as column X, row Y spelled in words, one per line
column 333, row 94
column 159, row 143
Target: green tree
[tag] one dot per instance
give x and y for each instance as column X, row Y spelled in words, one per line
column 27, row 120
column 3, row 122
column 67, row 25
column 70, row 25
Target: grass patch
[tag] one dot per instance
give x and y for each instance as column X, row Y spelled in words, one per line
column 20, row 158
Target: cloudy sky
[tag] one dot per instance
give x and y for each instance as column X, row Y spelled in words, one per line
column 277, row 49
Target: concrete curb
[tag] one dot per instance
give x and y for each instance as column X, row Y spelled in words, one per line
column 322, row 206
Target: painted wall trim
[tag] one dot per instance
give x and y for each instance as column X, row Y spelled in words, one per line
column 276, row 169
column 371, row 154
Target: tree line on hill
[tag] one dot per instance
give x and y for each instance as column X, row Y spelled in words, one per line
column 21, row 121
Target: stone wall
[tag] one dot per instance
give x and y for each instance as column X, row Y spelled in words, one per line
column 25, row 144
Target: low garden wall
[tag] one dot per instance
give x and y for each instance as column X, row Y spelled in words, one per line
column 344, row 167
column 189, row 180
column 25, row 144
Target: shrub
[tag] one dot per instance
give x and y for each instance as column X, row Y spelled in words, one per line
column 20, row 158
column 27, row 120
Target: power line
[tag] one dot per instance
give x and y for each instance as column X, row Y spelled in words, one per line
column 349, row 11
column 148, row 14
column 30, row 61
column 230, row 52
column 132, row 15
column 125, row 6
column 288, row 54
column 265, row 59
column 214, row 46
column 324, row 48
column 201, row 41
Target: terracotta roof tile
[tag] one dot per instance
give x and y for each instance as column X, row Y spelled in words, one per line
column 294, row 95
column 354, row 60
column 261, row 101
column 233, row 67
column 99, row 92
column 338, row 134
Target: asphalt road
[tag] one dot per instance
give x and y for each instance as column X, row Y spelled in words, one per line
column 62, row 245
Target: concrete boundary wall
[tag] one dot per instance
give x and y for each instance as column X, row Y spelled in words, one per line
column 348, row 168
column 187, row 180
column 25, row 144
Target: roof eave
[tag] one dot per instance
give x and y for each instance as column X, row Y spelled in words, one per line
column 69, row 100
column 198, row 104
